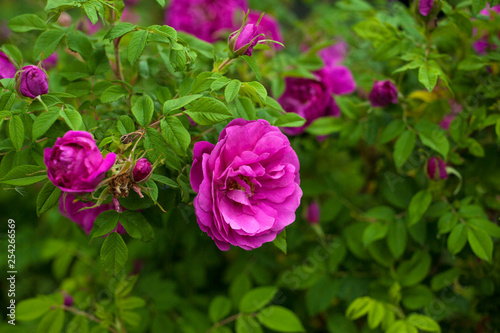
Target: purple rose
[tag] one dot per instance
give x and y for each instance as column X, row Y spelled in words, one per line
column 206, row 19
column 75, row 164
column 334, row 54
column 7, row 69
column 51, row 61
column 32, row 81
column 268, row 26
column 383, row 93
column 142, row 170
column 425, row 6
column 70, row 207
column 243, row 41
column 338, row 79
column 313, row 213
column 436, row 169
column 310, row 99
column 247, row 184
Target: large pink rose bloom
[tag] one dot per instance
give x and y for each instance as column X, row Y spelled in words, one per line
column 206, row 19
column 247, row 184
column 70, row 207
column 75, row 164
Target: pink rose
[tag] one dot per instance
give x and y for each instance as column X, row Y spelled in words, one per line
column 247, row 184
column 75, row 164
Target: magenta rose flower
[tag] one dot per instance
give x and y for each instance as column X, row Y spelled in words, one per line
column 32, row 81
column 242, row 42
column 142, row 170
column 75, row 164
column 310, row 99
column 334, row 54
column 7, row 69
column 247, row 184
column 70, row 207
column 206, row 19
column 383, row 94
column 436, row 168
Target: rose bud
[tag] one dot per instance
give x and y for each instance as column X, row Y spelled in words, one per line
column 383, row 93
column 242, row 42
column 31, row 81
column 50, row 62
column 142, row 171
column 70, row 207
column 7, row 68
column 68, row 299
column 436, row 169
column 75, row 164
column 313, row 213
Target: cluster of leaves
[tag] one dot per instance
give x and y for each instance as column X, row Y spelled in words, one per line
column 390, row 253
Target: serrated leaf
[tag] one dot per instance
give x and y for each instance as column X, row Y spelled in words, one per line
column 125, row 125
column 47, row 198
column 136, row 45
column 16, row 132
column 43, row 122
column 24, row 175
column 280, row 319
column 105, row 223
column 175, row 104
column 26, row 22
column 478, row 5
column 219, row 83
column 113, row 93
column 232, row 90
column 137, row 226
column 325, row 126
column 47, row 42
column 72, row 117
column 403, row 148
column 114, row 253
column 80, row 43
column 164, row 180
column 428, row 75
column 290, row 119
column 252, row 63
column 143, row 110
column 176, row 136
column 120, row 30
column 208, row 111
column 257, row 298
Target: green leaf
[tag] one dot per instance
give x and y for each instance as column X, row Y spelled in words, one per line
column 418, row 206
column 72, row 117
column 219, row 308
column 167, row 31
column 320, row 296
column 33, row 308
column 478, row 5
column 114, row 253
column 176, row 136
column 289, row 119
column 47, row 42
column 232, row 90
column 403, row 148
column 79, row 42
column 136, row 45
column 433, row 137
column 252, row 63
column 446, row 222
column 137, row 226
column 24, row 175
column 417, row 297
column 359, row 307
column 26, row 22
column 219, row 83
column 52, row 322
column 280, row 241
column 457, row 238
column 130, row 303
column 280, row 319
column 411, row 272
column 444, row 279
column 119, row 30
column 392, row 130
column 143, row 110
column 47, row 198
column 16, row 132
column 164, row 180
column 113, row 93
column 376, row 314
column 475, row 147
column 246, row 324
column 208, row 111
column 423, row 322
column 105, row 223
column 125, row 125
column 257, row 298
column 13, row 52
column 481, row 243
column 43, row 122
column 175, row 104
column 428, row 75
column 325, row 126
column 258, row 88
column 373, row 232
column 486, row 225
column 396, row 238
column 79, row 324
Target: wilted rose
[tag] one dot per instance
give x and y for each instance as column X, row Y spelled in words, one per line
column 247, row 184
column 75, row 164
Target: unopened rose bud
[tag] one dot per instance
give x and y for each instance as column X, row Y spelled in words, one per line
column 383, row 93
column 313, row 213
column 142, row 170
column 436, row 169
column 64, row 20
column 7, row 68
column 68, row 300
column 31, row 81
column 242, row 42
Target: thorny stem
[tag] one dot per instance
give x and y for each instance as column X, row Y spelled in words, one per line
column 85, row 314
